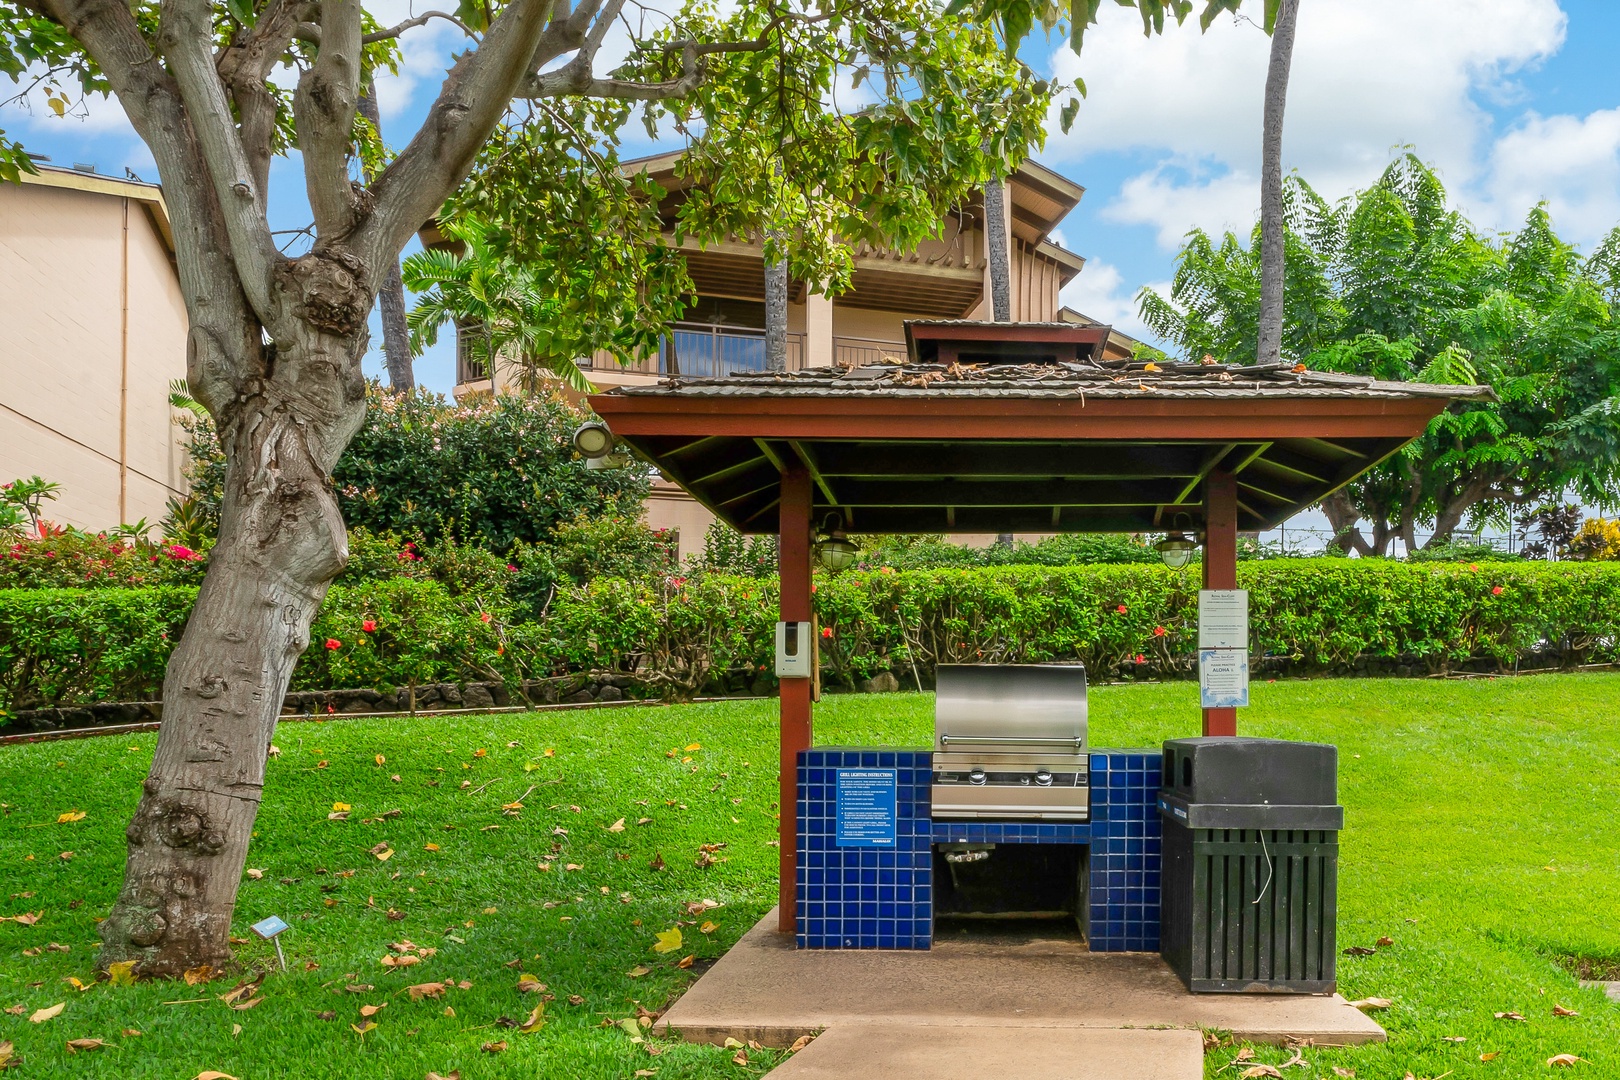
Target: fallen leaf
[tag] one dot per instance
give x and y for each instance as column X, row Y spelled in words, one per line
column 693, row 746
column 1384, row 942
column 361, row 1029
column 1455, row 1038
column 41, row 1015
column 686, row 962
column 430, row 847
column 575, row 999
column 657, row 861
column 572, row 866
column 27, row 918
column 253, row 873
column 121, row 973
column 1347, row 1074
column 536, row 1020
column 1509, row 1016
column 245, row 989
column 645, row 1072
column 383, row 852
column 73, row 981
column 1559, row 1010
column 425, row 990
column 668, row 940
column 1359, row 950
column 1564, row 1059
column 75, row 1045
column 637, row 972
column 493, row 1047
column 1491, row 1055
column 800, row 1043
column 341, row 807
column 372, row 1010
column 549, row 752
column 380, row 759
column 1254, row 1071
column 528, row 984
column 6, row 1050
column 244, row 1006
column 740, row 1058
column 212, row 1074
column 1371, row 1003
column 399, row 961
column 359, row 988
column 447, row 1076
column 708, row 928
column 617, row 826
column 71, row 815
column 132, row 1033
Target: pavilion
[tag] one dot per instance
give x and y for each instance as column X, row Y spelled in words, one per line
column 1010, row 427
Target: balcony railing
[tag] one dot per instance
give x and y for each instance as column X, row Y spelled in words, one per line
column 702, row 349
column 863, row 352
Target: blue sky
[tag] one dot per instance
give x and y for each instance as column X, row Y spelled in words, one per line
column 1515, row 101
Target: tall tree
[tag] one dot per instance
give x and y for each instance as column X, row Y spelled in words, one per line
column 1280, row 22
column 391, row 294
column 1393, row 283
column 276, row 340
column 997, row 256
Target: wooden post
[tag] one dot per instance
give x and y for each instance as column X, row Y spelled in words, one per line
column 1220, row 566
column 793, row 548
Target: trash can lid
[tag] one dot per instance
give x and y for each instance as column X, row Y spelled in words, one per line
column 1251, row 771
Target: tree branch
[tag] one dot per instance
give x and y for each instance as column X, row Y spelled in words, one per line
column 245, row 68
column 475, row 95
column 223, row 326
column 324, row 107
column 411, row 24
column 184, row 32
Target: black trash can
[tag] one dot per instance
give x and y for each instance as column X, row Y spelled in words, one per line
column 1250, row 864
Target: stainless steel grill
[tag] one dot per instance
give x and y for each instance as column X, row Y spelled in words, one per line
column 1010, row 742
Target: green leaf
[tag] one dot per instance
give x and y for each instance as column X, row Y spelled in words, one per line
column 1067, row 115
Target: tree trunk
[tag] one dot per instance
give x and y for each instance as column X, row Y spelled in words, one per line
column 776, row 303
column 996, row 254
column 1272, row 246
column 391, row 297
column 281, row 542
column 1342, row 515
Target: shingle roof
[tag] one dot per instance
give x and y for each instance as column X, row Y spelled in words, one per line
column 1063, row 380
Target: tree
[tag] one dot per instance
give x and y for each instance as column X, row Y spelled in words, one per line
column 1280, row 23
column 276, row 340
column 391, row 296
column 1393, row 284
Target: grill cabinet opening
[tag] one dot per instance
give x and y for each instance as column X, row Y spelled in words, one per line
column 1010, row 883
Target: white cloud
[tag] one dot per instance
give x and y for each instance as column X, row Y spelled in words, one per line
column 1099, row 291
column 1571, row 162
column 1367, row 76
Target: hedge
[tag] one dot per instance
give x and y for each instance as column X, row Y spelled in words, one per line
column 680, row 636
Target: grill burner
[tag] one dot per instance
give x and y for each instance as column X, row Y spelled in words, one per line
column 1010, row 743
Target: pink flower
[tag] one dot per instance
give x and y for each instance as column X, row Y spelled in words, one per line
column 369, row 626
column 1122, row 609
column 1159, row 631
column 1496, row 590
column 181, row 552
column 512, row 568
column 485, row 617
column 334, row 644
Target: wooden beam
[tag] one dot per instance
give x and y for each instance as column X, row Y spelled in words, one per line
column 1212, row 459
column 1220, row 566
column 808, row 460
column 793, row 569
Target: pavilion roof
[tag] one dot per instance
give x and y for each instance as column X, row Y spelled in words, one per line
column 1057, row 446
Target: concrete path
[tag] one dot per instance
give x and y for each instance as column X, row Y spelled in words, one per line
column 912, row 1052
column 1016, row 996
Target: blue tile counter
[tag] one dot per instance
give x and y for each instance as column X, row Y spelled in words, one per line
column 867, row 882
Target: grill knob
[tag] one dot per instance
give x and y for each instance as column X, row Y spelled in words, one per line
column 977, row 776
column 1043, row 778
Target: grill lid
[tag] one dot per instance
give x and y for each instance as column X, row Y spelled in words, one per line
column 1010, row 708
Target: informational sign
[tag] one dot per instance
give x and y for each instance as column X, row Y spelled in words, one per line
column 269, row 928
column 1223, row 678
column 865, row 808
column 1223, row 619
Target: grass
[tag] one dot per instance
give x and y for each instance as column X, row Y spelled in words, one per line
column 1480, row 837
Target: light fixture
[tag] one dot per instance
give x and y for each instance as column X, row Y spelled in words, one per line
column 834, row 550
column 593, row 440
column 1176, row 549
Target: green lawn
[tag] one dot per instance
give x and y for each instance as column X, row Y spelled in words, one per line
column 1480, row 837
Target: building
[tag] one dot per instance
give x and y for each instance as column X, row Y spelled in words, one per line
column 948, row 278
column 94, row 328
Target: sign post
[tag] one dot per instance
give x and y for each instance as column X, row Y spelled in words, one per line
column 1223, row 648
column 270, row 929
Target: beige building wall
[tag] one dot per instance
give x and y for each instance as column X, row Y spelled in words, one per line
column 94, row 329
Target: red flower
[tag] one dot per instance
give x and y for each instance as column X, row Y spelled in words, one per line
column 1473, row 566
column 826, row 631
column 334, row 644
column 486, row 616
column 512, row 568
column 1496, row 590
column 369, row 626
column 181, row 552
column 1140, row 659
column 1122, row 609
column 1159, row 631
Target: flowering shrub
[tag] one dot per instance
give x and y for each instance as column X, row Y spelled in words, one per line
column 70, row 559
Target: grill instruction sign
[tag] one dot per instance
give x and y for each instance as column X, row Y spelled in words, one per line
column 866, row 807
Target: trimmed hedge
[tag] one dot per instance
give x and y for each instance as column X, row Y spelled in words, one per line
column 682, row 636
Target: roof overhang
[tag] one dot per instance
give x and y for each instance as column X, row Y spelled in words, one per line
column 1055, row 447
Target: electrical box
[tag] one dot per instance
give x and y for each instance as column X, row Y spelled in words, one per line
column 795, row 650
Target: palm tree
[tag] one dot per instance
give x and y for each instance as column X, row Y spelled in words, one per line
column 497, row 301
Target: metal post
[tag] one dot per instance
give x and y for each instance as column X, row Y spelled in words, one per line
column 793, row 547
column 1220, row 566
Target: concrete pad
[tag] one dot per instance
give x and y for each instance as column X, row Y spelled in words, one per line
column 1611, row 989
column 765, row 989
column 858, row 1051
